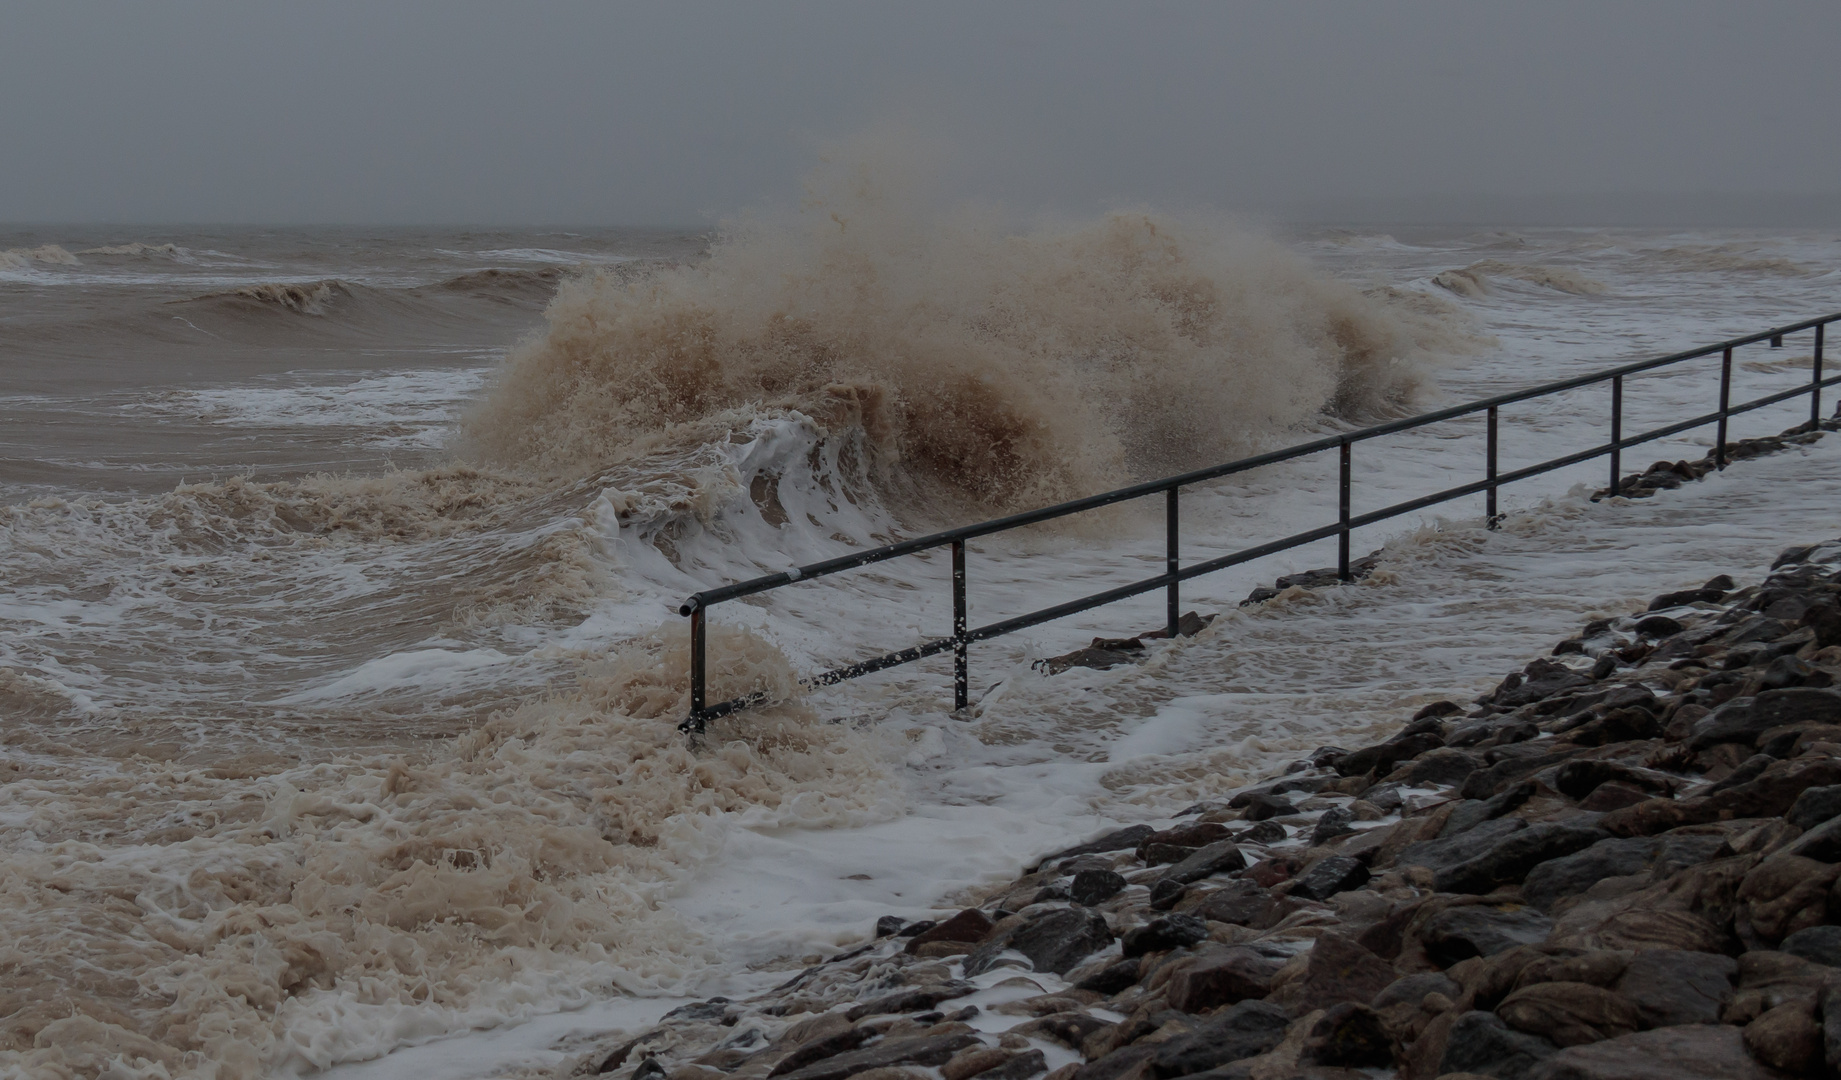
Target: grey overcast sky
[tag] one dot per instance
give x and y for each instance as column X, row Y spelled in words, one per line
column 424, row 111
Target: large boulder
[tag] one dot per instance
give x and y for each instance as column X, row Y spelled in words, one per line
column 1742, row 719
column 1246, row 1029
column 1572, row 874
column 1569, row 1013
column 1340, row 969
column 1480, row 1042
column 1509, row 859
column 934, row 1050
column 1459, row 933
column 1221, row 977
column 1691, row 1052
column 1669, row 987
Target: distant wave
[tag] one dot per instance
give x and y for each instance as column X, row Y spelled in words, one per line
column 138, row 250
column 23, row 258
column 1728, row 258
column 1473, row 280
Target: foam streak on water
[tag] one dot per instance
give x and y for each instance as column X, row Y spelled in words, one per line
column 333, row 726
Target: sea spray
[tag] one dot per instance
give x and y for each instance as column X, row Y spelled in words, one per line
column 992, row 367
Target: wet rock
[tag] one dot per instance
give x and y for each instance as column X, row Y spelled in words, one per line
column 936, row 1050
column 1161, row 935
column 1669, row 987
column 1440, row 767
column 1333, row 823
column 1351, row 1036
column 1217, row 858
column 1194, row 835
column 1814, row 806
column 1787, row 1038
column 819, row 1049
column 1568, row 1013
column 1053, row 941
column 1639, row 929
column 1691, row 1052
column 1769, row 795
column 1246, row 1029
column 1460, row 933
column 1450, row 850
column 889, row 925
column 1111, row 979
column 1742, row 720
column 1656, row 626
column 1070, row 1029
column 1225, row 977
column 1783, row 895
column 1264, row 832
column 1264, row 805
column 1414, row 988
column 1470, row 813
column 1487, row 782
column 1381, row 758
column 1340, row 969
column 1118, row 840
column 1480, row 1042
column 1091, row 887
column 968, row 926
column 1509, row 859
column 1240, row 902
column 973, row 1060
column 1818, row 944
column 1020, row 1067
column 913, row 999
column 1572, row 874
column 1329, row 876
column 1686, row 597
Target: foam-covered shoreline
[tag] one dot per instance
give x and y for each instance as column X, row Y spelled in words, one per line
column 1620, row 855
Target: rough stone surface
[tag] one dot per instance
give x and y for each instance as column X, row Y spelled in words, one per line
column 1572, row 874
column 1350, row 1036
column 1160, row 935
column 1814, row 806
column 1227, row 977
column 1669, row 987
column 1568, row 1013
column 1337, row 873
column 1509, row 859
column 1786, row 1037
column 1091, row 887
column 1693, row 1052
column 1248, row 1028
column 1480, row 1042
column 968, row 925
column 916, row 1051
column 1339, row 969
column 1216, row 858
column 1481, row 930
column 1821, row 944
column 1240, row 902
column 1054, row 941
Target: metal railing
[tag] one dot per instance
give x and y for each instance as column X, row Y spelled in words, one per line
column 697, row 606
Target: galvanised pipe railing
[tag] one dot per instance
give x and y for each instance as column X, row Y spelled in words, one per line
column 697, row 606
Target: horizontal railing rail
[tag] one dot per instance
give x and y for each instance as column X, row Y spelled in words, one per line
column 697, row 606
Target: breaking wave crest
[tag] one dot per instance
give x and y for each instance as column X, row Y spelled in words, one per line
column 984, row 366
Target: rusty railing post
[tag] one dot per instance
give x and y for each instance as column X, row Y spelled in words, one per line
column 1342, row 536
column 1617, row 432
